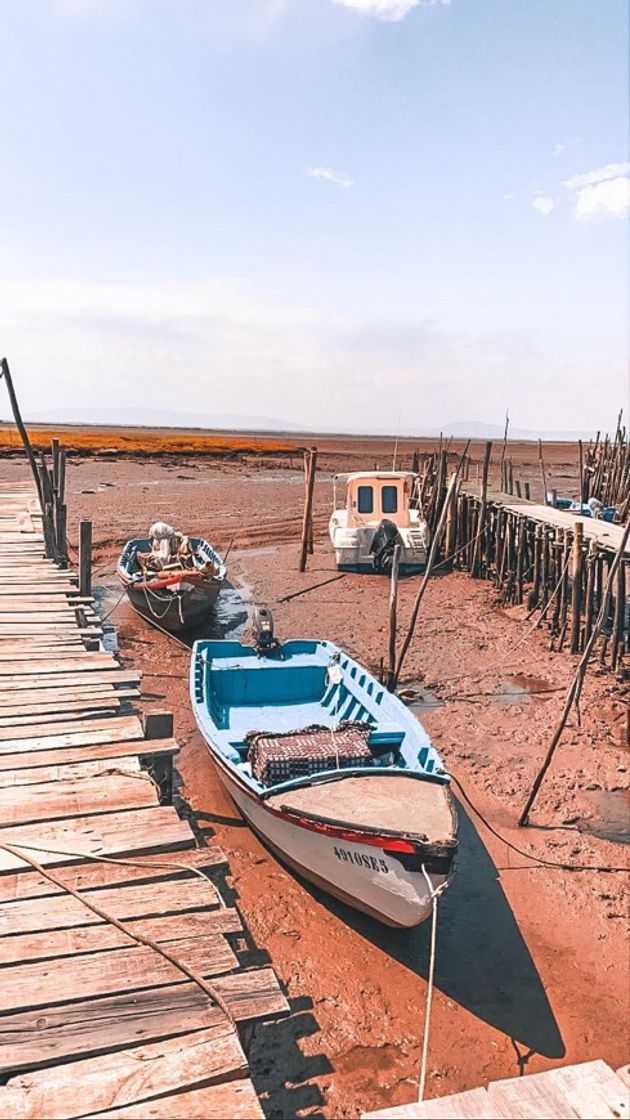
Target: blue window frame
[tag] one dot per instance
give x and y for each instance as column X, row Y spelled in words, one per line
column 365, row 496
column 389, row 499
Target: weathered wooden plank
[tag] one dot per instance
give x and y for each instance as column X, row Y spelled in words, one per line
column 87, row 975
column 37, row 696
column 89, row 1027
column 128, row 764
column 135, row 900
column 80, row 797
column 44, row 737
column 236, row 1099
column 474, row 1104
column 108, row 834
column 92, row 939
column 69, row 679
column 91, row 875
column 51, row 630
column 127, row 1077
column 27, row 759
column 589, row 1091
column 86, row 664
column 56, row 713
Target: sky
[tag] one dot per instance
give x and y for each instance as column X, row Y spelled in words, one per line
column 375, row 214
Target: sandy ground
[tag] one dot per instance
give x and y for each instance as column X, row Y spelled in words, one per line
column 532, row 961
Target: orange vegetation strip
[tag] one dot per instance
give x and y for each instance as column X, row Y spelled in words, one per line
column 143, row 442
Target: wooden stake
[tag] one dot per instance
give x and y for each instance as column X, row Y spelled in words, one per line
column 85, row 558
column 576, row 585
column 308, row 509
column 589, row 596
column 393, row 605
column 477, row 548
column 573, row 694
column 543, row 476
column 17, row 416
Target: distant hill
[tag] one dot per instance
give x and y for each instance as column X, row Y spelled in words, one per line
column 165, row 418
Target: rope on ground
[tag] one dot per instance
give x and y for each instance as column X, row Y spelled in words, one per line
column 530, row 855
column 434, row 895
column 139, row 938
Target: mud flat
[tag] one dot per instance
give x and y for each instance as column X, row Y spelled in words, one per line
column 532, row 961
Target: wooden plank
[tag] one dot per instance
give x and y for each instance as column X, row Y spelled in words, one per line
column 87, row 975
column 80, row 797
column 474, row 1104
column 127, row 1077
column 60, row 692
column 91, row 875
column 135, row 900
column 236, row 1099
column 591, row 1091
column 51, row 630
column 92, row 939
column 107, row 834
column 87, row 664
column 128, row 764
column 43, row 737
column 27, row 759
column 69, row 679
column 56, row 713
column 33, row 1038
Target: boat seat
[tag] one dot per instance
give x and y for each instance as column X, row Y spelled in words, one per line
column 387, row 737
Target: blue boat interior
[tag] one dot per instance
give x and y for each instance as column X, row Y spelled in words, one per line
column 202, row 554
column 302, row 683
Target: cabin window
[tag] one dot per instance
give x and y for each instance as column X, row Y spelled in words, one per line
column 389, row 499
column 365, row 496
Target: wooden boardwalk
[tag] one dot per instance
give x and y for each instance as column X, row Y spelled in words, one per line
column 91, row 1021
column 591, row 1091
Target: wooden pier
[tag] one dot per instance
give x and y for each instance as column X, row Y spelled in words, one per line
column 591, row 1091
column 92, row 1020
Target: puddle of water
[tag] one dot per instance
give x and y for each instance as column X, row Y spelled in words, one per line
column 419, row 699
column 610, row 817
column 522, row 689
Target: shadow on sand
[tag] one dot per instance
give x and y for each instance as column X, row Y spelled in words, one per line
column 483, row 962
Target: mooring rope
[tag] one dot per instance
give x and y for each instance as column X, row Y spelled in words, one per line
column 434, row 895
column 208, row 988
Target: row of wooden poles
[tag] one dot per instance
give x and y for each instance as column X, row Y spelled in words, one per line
column 605, row 469
column 50, row 481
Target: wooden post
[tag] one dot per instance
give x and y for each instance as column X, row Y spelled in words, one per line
column 85, row 558
column 308, row 509
column 576, row 585
column 435, row 543
column 60, row 531
column 48, row 509
column 307, row 471
column 17, row 416
column 528, row 493
column 581, row 451
column 61, row 476
column 573, row 695
column 554, row 498
column 518, row 488
column 589, row 597
column 450, row 545
column 477, row 548
column 543, row 476
column 393, row 606
column 54, row 454
column 616, row 645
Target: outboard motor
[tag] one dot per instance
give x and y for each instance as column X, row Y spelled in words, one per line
column 264, row 638
column 383, row 544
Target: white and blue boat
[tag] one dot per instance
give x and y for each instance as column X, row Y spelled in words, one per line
column 177, row 592
column 332, row 772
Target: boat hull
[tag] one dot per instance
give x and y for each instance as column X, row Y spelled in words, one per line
column 185, row 608
column 364, row 876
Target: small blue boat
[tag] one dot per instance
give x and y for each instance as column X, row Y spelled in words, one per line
column 335, row 775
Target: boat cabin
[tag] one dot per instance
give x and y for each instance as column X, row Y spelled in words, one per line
column 373, row 495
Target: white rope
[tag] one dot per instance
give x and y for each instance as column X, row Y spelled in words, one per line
column 435, row 894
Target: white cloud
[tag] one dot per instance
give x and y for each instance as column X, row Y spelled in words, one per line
column 558, row 149
column 610, row 171
column 603, row 191
column 331, row 176
column 543, row 204
column 610, row 197
column 392, row 10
